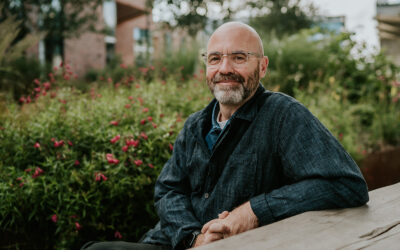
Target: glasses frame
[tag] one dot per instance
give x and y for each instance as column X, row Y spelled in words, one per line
column 205, row 56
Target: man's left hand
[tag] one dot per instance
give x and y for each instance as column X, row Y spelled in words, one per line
column 241, row 219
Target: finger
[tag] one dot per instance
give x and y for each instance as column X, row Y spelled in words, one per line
column 219, row 228
column 207, row 225
column 210, row 237
column 223, row 215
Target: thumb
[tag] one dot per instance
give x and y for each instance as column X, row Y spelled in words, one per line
column 223, row 215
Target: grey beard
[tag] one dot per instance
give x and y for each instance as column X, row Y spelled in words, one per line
column 234, row 95
column 230, row 95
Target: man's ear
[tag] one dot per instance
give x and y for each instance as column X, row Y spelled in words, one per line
column 263, row 66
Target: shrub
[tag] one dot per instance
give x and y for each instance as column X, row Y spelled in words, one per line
column 81, row 166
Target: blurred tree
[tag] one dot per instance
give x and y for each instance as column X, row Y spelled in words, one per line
column 280, row 16
column 283, row 17
column 193, row 15
column 59, row 19
column 11, row 51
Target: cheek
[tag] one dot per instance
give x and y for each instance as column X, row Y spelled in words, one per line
column 210, row 74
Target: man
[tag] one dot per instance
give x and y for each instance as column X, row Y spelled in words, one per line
column 250, row 158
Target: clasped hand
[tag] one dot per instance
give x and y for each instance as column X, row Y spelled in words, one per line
column 241, row 219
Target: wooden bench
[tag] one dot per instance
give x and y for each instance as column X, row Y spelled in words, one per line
column 373, row 226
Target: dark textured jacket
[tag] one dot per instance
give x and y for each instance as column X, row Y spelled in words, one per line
column 274, row 153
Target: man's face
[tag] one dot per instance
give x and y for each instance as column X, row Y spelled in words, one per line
column 232, row 83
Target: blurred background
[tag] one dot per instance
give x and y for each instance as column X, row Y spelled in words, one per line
column 93, row 94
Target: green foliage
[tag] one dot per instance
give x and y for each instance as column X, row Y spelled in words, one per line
column 16, row 71
column 300, row 60
column 284, row 17
column 69, row 135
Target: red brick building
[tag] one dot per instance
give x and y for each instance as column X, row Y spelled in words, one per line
column 128, row 23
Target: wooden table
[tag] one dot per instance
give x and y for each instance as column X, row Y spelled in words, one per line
column 373, row 226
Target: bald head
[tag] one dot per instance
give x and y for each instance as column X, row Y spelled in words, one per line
column 237, row 32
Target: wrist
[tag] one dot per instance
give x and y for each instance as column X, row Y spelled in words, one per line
column 190, row 240
column 198, row 241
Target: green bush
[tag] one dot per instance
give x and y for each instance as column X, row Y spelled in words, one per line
column 81, row 166
column 314, row 58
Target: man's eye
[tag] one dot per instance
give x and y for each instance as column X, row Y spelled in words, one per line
column 239, row 58
column 214, row 59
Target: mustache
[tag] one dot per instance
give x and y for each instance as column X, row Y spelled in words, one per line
column 228, row 77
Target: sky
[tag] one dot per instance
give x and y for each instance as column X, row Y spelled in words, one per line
column 359, row 17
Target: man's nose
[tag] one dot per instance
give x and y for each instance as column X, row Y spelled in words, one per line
column 225, row 66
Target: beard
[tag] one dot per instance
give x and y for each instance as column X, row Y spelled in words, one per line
column 233, row 95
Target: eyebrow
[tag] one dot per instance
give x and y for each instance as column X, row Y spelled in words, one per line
column 233, row 52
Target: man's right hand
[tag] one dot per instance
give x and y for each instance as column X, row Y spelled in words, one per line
column 215, row 231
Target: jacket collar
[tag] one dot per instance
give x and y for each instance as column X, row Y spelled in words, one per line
column 202, row 123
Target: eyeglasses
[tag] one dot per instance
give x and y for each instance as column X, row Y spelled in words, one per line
column 238, row 58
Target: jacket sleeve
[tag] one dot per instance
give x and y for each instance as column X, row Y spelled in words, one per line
column 320, row 173
column 172, row 196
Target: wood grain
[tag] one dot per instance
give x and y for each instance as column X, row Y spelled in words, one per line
column 373, row 226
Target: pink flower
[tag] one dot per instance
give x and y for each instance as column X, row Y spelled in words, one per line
column 110, row 158
column 161, row 115
column 77, row 163
column 54, row 218
column 138, row 162
column 144, row 136
column 171, row 147
column 37, row 89
column 145, row 110
column 58, row 143
column 36, row 81
column 143, row 122
column 19, row 179
column 117, row 235
column 115, row 123
column 38, row 172
column 70, row 143
column 149, row 118
column 28, row 170
column 46, row 85
column 115, row 139
column 154, row 125
column 150, row 165
column 122, row 65
column 134, row 143
column 100, row 176
column 22, row 99
column 127, row 106
column 37, row 145
column 78, row 226
column 21, row 184
column 125, row 148
column 130, row 97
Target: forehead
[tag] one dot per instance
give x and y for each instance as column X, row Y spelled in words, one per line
column 232, row 39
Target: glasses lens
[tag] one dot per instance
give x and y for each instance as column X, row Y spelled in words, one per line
column 238, row 57
column 214, row 59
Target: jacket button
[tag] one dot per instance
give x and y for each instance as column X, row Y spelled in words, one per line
column 206, row 195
